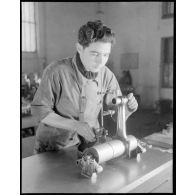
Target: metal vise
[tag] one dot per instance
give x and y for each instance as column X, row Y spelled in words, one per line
column 120, row 145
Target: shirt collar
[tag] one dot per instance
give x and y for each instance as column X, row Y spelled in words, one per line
column 81, row 77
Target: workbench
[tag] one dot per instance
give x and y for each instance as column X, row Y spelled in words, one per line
column 29, row 121
column 57, row 172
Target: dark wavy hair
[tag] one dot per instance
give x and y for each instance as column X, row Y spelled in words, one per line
column 95, row 31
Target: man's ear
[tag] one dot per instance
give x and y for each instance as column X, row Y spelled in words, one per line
column 79, row 47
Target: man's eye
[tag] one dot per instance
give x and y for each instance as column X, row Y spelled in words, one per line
column 94, row 54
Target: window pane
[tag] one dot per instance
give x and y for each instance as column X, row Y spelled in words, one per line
column 28, row 27
column 23, row 13
column 26, row 11
column 167, row 62
column 168, row 50
column 166, row 75
column 23, row 38
column 172, row 8
column 167, row 9
column 27, row 36
column 171, row 75
column 32, row 38
column 31, row 12
column 165, row 51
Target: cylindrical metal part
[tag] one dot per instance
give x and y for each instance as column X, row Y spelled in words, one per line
column 121, row 122
column 132, row 141
column 112, row 149
column 106, row 151
column 120, row 100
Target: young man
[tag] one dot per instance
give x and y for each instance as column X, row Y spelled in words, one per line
column 71, row 92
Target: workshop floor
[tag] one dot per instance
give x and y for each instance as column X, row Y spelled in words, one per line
column 141, row 123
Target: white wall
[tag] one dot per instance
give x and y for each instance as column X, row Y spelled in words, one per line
column 139, row 28
column 62, row 24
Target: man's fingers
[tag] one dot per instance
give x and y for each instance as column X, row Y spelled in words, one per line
column 89, row 138
column 90, row 135
column 86, row 131
column 132, row 104
column 129, row 96
column 132, row 100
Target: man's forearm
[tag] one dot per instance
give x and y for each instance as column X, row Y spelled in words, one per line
column 55, row 120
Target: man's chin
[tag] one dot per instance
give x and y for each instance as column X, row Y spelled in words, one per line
column 96, row 69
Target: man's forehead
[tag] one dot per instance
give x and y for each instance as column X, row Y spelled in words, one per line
column 99, row 47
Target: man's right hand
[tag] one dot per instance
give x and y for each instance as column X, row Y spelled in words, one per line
column 86, row 131
column 82, row 128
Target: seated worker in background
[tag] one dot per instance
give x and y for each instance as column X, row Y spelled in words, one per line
column 125, row 82
column 70, row 95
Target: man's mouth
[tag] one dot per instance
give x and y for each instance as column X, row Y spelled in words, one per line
column 97, row 66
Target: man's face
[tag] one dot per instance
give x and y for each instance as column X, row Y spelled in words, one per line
column 95, row 56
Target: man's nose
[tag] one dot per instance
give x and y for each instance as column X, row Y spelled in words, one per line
column 99, row 59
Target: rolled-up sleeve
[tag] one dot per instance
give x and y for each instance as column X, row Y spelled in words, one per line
column 44, row 99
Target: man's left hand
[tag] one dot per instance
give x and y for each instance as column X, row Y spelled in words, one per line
column 132, row 103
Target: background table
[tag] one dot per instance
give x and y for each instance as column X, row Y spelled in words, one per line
column 29, row 121
column 57, row 172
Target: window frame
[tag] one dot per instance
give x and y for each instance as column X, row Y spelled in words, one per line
column 162, row 84
column 166, row 15
column 36, row 30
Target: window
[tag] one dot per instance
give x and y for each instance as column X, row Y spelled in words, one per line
column 167, row 9
column 28, row 27
column 167, row 62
